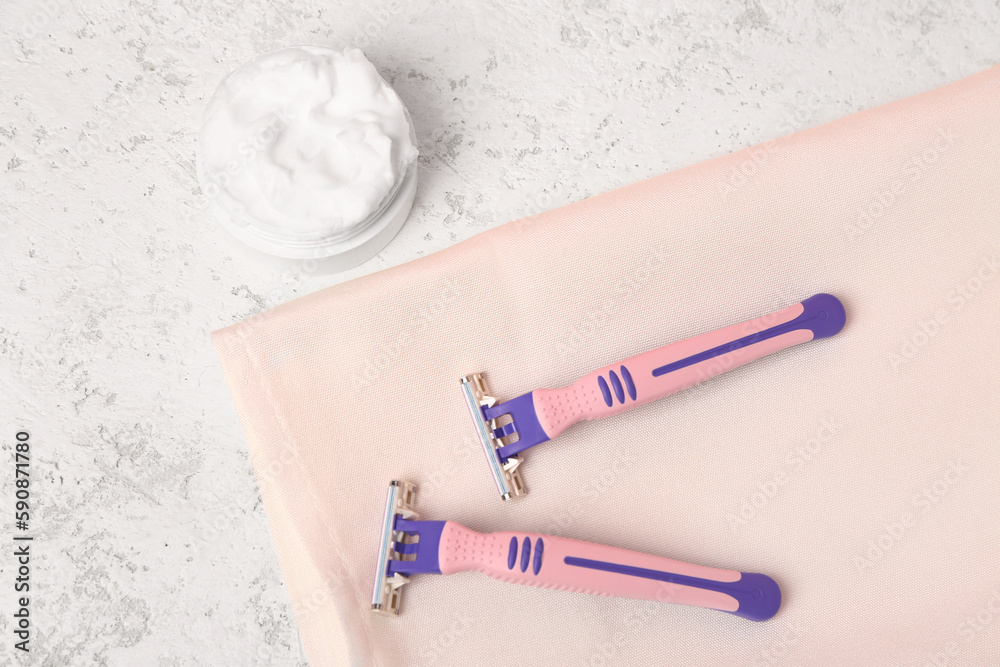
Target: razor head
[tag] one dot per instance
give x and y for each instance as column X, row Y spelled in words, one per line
column 406, row 547
column 491, row 435
column 387, row 590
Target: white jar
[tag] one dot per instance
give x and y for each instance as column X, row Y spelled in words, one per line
column 307, row 154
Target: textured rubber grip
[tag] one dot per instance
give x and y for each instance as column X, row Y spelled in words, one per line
column 676, row 366
column 565, row 564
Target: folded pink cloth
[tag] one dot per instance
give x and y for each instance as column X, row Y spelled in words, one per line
column 859, row 471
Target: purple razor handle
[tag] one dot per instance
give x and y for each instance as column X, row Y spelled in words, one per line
column 506, row 429
column 410, row 547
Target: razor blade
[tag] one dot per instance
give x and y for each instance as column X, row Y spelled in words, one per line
column 409, row 547
column 503, row 468
column 389, row 581
column 506, row 429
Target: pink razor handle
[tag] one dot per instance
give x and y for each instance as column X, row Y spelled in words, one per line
column 671, row 368
column 545, row 413
column 583, row 567
column 409, row 547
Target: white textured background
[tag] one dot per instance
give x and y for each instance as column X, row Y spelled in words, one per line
column 151, row 543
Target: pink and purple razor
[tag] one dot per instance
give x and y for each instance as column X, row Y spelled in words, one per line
column 506, row 429
column 409, row 546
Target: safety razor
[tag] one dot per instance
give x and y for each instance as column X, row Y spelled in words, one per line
column 506, row 429
column 409, row 546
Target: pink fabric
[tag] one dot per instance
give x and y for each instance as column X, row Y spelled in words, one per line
column 861, row 471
